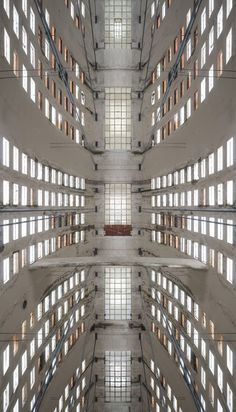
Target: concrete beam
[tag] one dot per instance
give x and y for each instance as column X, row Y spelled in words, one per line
column 117, row 260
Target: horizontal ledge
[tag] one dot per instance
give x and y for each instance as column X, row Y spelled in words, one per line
column 118, row 260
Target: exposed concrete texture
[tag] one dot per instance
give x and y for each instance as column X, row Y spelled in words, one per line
column 118, row 260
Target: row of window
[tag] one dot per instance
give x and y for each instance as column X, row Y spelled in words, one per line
column 17, row 228
column 14, row 194
column 221, row 229
column 73, row 392
column 215, row 162
column 185, row 111
column 189, row 332
column 223, row 264
column 28, row 83
column 162, row 395
column 159, row 10
column 11, row 157
column 11, row 265
column 66, row 298
column 220, row 194
column 70, row 4
column 48, row 334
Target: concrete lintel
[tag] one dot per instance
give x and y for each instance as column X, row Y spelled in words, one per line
column 118, row 261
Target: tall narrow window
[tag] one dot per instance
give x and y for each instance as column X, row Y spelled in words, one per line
column 5, row 152
column 24, row 7
column 117, row 204
column 24, row 78
column 118, row 293
column 230, row 152
column 118, row 376
column 219, row 22
column 7, row 50
column 24, row 40
column 118, row 24
column 228, row 53
column 32, row 20
column 6, row 5
column 15, row 21
column 118, row 118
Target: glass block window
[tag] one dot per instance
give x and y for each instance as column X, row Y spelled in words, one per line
column 118, row 376
column 118, row 118
column 117, row 24
column 117, row 204
column 118, row 293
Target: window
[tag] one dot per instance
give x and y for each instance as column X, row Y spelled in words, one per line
column 229, row 6
column 47, row 108
column 211, row 362
column 203, row 90
column 203, row 348
column 229, row 398
column 229, row 359
column 203, row 55
column 24, row 78
column 32, row 20
column 32, row 90
column 182, row 116
column 6, row 359
column 6, row 398
column 6, row 270
column 163, row 10
column 219, row 22
column 118, row 131
column 189, row 107
column 6, row 192
column 230, row 152
column 230, row 232
column 118, row 293
column 54, row 116
column 211, row 40
column 211, row 164
column 229, row 194
column 228, row 46
column 118, row 204
column 118, row 376
column 211, row 195
column 24, row 165
column 117, row 24
column 15, row 22
column 211, row 7
column 5, row 152
column 211, row 78
column 220, row 159
column 32, row 55
column 47, row 17
column 83, row 9
column 152, row 9
column 189, row 49
column 7, row 51
column 24, row 40
column 47, row 49
column 23, row 363
column 15, row 378
column 220, row 194
column 229, row 270
column 6, row 232
column 24, row 7
column 220, row 378
column 6, row 5
column 203, row 21
column 203, row 378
